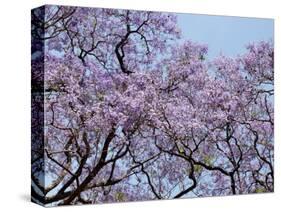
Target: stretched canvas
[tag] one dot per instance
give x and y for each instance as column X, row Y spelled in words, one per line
column 138, row 105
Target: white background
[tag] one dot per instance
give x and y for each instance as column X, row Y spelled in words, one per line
column 15, row 104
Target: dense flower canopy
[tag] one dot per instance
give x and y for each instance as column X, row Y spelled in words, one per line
column 133, row 112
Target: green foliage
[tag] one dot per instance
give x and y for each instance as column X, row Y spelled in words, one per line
column 208, row 160
column 181, row 150
column 260, row 190
column 198, row 168
column 119, row 196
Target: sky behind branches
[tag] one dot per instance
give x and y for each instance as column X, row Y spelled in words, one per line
column 225, row 34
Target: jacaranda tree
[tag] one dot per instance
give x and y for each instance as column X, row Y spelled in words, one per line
column 124, row 109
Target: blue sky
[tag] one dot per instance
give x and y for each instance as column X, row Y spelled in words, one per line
column 225, row 34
